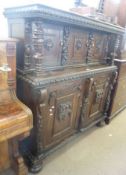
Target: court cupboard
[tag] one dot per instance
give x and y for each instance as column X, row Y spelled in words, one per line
column 65, row 73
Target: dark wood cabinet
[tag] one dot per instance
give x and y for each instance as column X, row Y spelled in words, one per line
column 65, row 73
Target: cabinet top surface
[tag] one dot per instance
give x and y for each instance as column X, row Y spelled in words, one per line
column 68, row 74
column 49, row 13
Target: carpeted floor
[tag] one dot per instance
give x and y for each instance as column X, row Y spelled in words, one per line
column 98, row 151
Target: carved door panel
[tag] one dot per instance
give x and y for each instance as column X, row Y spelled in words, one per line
column 47, row 42
column 94, row 99
column 63, row 112
column 77, row 46
column 53, row 35
column 100, row 47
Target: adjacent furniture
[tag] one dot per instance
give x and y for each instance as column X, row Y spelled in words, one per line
column 118, row 102
column 65, row 73
column 119, row 98
column 15, row 117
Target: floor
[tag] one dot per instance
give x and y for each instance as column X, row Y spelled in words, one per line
column 98, row 151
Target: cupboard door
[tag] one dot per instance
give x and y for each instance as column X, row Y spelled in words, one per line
column 47, row 42
column 100, row 47
column 94, row 99
column 53, row 35
column 77, row 46
column 63, row 112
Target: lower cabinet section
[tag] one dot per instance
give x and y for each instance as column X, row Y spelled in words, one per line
column 60, row 109
column 63, row 105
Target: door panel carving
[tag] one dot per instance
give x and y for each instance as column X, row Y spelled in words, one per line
column 61, row 113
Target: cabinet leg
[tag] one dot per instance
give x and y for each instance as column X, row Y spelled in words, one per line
column 36, row 164
column 107, row 120
column 17, row 160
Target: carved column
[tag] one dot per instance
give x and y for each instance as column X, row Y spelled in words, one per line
column 37, row 44
column 64, row 44
column 41, row 102
column 90, row 46
column 109, row 96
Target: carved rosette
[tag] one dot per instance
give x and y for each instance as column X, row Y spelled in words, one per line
column 64, row 44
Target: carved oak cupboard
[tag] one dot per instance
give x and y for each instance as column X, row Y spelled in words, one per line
column 65, row 73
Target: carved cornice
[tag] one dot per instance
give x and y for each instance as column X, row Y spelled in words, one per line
column 45, row 12
column 71, row 76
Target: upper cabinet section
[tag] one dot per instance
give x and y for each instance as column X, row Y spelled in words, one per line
column 51, row 38
column 55, row 15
